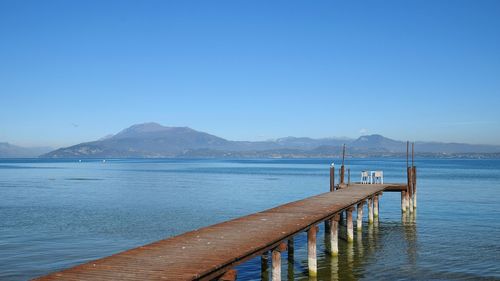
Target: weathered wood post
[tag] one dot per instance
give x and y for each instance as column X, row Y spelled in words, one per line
column 291, row 249
column 409, row 197
column 414, row 177
column 342, row 168
column 332, row 177
column 404, row 192
column 229, row 275
column 332, row 188
column 375, row 205
column 333, row 246
column 264, row 266
column 403, row 201
column 311, row 251
column 276, row 261
column 359, row 217
column 350, row 232
column 370, row 210
column 415, row 187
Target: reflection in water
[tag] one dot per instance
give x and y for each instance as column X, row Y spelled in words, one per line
column 355, row 259
column 49, row 223
column 359, row 245
column 290, row 260
column 334, row 267
column 291, row 269
column 410, row 234
column 349, row 253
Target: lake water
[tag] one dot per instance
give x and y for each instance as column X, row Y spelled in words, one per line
column 55, row 214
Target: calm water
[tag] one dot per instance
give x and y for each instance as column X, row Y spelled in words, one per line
column 56, row 214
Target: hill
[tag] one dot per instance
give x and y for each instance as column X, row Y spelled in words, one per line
column 154, row 140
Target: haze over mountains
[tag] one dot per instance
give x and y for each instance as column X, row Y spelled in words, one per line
column 154, row 140
column 8, row 150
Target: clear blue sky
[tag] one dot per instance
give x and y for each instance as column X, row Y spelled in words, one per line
column 73, row 71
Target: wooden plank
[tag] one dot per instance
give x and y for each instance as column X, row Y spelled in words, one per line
column 211, row 251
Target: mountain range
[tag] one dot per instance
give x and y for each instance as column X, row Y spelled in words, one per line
column 8, row 150
column 151, row 140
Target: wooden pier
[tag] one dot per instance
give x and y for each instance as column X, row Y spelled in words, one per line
column 212, row 252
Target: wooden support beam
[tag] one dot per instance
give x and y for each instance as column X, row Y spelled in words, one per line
column 334, row 236
column 342, row 175
column 409, row 190
column 359, row 217
column 342, row 168
column 370, row 210
column 264, row 266
column 414, row 187
column 332, row 177
column 276, row 261
column 311, row 251
column 291, row 249
column 403, row 201
column 375, row 205
column 230, row 275
column 350, row 234
column 414, row 177
column 327, row 229
column 405, row 196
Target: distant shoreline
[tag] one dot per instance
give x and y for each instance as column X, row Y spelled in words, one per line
column 283, row 156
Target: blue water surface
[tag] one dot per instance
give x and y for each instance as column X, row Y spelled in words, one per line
column 55, row 214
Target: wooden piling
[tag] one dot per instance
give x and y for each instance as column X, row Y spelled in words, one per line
column 408, row 180
column 350, row 234
column 403, row 201
column 276, row 261
column 359, row 217
column 414, row 187
column 332, row 188
column 311, row 251
column 370, row 210
column 342, row 168
column 291, row 249
column 327, row 229
column 414, row 177
column 334, row 235
column 409, row 196
column 375, row 205
column 264, row 266
column 332, row 177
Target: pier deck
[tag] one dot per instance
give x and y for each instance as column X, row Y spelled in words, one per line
column 209, row 252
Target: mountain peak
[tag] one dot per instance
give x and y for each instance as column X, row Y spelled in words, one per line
column 154, row 140
column 373, row 137
column 147, row 128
